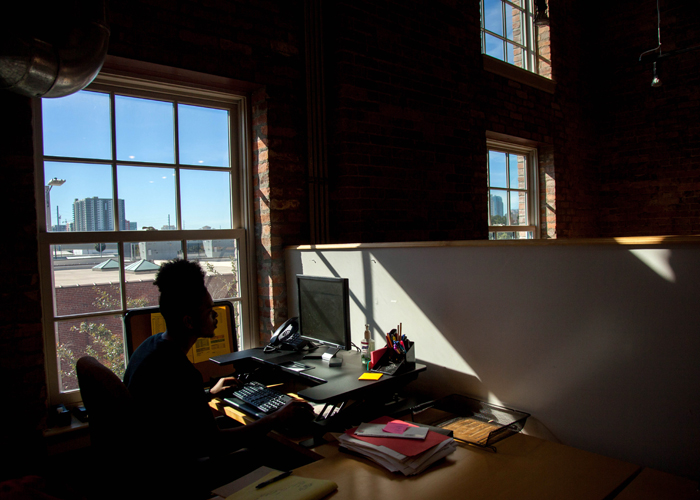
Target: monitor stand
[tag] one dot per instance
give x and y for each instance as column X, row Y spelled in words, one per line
column 317, row 351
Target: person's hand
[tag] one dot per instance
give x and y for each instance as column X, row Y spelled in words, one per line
column 295, row 412
column 223, row 384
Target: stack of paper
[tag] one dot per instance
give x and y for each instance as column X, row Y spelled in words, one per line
column 408, row 455
column 292, row 487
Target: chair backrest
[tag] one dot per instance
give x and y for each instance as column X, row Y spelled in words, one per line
column 108, row 403
column 122, row 459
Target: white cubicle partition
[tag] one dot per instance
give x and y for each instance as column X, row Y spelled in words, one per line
column 598, row 339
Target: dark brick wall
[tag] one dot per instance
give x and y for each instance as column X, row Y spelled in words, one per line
column 650, row 159
column 409, row 108
column 22, row 376
column 574, row 117
column 405, row 133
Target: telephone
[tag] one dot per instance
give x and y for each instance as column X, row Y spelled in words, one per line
column 287, row 336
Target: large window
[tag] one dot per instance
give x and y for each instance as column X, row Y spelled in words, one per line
column 133, row 174
column 509, row 34
column 512, row 185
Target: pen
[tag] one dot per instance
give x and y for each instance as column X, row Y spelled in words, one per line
column 273, row 480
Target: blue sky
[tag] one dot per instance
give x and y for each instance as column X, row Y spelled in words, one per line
column 493, row 21
column 78, row 126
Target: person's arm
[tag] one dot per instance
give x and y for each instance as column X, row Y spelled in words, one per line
column 222, row 384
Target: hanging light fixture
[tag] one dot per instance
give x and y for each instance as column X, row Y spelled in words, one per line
column 541, row 17
column 655, row 82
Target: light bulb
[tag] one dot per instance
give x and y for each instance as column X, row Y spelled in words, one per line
column 655, row 82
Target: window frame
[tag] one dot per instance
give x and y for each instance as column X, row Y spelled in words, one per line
column 530, row 47
column 532, row 189
column 196, row 91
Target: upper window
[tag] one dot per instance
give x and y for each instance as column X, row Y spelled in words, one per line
column 509, row 34
column 512, row 185
column 133, row 175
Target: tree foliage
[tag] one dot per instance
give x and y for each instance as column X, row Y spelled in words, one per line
column 102, row 344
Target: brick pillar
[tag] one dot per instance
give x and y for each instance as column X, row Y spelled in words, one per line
column 22, row 375
column 279, row 193
column 267, row 292
column 548, row 203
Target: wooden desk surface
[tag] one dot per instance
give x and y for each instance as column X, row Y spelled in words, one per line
column 656, row 485
column 523, row 468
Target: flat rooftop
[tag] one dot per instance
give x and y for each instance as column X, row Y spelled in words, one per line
column 78, row 272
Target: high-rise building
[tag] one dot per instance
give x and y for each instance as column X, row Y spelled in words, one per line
column 497, row 205
column 96, row 214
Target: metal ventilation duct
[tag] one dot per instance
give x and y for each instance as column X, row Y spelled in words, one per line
column 34, row 67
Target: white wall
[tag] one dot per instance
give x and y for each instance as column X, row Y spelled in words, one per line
column 599, row 341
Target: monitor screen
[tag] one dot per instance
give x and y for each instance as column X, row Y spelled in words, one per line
column 324, row 310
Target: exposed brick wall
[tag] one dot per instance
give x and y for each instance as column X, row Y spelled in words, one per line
column 650, row 159
column 573, row 159
column 409, row 108
column 22, row 378
column 404, row 128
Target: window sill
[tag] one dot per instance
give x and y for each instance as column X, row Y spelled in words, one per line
column 518, row 74
column 67, row 438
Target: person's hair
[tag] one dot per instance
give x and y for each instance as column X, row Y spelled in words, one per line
column 181, row 286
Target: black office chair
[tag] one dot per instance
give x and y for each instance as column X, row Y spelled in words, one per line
column 124, row 462
column 108, row 404
column 119, row 461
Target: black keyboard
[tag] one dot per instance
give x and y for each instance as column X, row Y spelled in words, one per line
column 263, row 398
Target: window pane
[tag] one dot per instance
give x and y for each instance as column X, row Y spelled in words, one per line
column 514, row 24
column 497, row 169
column 204, row 136
column 518, row 209
column 510, row 235
column 145, row 130
column 101, row 337
column 77, row 126
column 497, row 207
column 85, row 278
column 494, row 47
column 517, row 56
column 517, row 170
column 205, row 199
column 139, row 275
column 493, row 16
column 149, row 197
column 83, row 202
column 219, row 258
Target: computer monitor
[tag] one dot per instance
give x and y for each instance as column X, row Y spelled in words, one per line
column 324, row 310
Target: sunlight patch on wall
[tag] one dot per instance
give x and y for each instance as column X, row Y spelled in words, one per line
column 391, row 305
column 658, row 261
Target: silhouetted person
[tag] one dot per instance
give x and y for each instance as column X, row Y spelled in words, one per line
column 189, row 450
